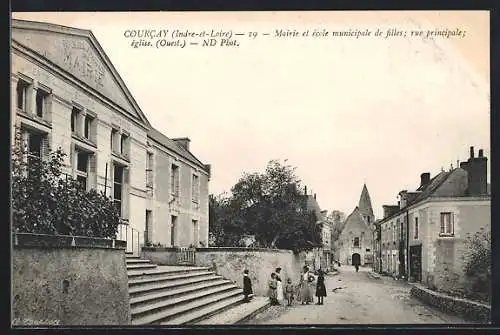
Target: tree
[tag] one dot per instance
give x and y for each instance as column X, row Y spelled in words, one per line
column 269, row 206
column 47, row 201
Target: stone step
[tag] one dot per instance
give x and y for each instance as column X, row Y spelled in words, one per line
column 141, row 266
column 168, row 277
column 163, row 311
column 168, row 284
column 179, row 292
column 138, row 261
column 206, row 311
column 238, row 313
column 162, row 271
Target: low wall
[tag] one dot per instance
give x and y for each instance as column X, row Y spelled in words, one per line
column 230, row 263
column 66, row 281
column 469, row 310
column 160, row 256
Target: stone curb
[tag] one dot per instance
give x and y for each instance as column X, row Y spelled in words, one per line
column 254, row 313
column 467, row 309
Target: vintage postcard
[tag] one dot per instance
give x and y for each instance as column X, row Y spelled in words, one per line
column 249, row 168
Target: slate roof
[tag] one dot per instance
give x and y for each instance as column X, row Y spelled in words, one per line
column 445, row 184
column 365, row 203
column 175, row 147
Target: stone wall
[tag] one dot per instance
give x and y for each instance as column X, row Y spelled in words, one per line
column 160, row 256
column 230, row 263
column 469, row 310
column 58, row 280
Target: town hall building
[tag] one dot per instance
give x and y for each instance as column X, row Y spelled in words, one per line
column 67, row 94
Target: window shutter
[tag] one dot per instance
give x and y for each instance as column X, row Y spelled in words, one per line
column 72, row 158
column 45, row 154
column 177, row 181
column 125, row 193
column 92, row 173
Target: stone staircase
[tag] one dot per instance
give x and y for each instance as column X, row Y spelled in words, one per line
column 177, row 295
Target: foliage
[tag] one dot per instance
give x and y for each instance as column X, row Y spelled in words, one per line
column 338, row 221
column 47, row 201
column 477, row 262
column 267, row 205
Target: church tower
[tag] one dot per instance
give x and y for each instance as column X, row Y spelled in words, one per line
column 365, row 206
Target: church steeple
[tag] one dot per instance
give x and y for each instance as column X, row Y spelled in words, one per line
column 365, row 206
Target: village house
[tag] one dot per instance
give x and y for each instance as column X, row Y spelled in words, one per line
column 424, row 237
column 355, row 242
column 66, row 93
column 320, row 257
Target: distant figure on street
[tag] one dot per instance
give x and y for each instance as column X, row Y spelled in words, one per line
column 320, row 287
column 271, row 292
column 305, row 289
column 279, row 287
column 357, row 267
column 247, row 286
column 289, row 292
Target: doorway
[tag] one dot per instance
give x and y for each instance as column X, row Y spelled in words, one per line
column 173, row 230
column 356, row 259
column 416, row 262
column 195, row 233
column 148, row 234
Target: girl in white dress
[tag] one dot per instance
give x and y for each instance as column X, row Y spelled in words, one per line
column 279, row 288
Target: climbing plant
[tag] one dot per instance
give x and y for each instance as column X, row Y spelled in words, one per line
column 47, row 201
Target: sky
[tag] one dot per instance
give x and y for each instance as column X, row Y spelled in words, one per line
column 343, row 111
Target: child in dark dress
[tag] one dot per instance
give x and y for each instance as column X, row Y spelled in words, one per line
column 320, row 287
column 247, row 286
column 289, row 288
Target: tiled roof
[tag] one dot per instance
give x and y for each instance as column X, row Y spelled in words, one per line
column 170, row 144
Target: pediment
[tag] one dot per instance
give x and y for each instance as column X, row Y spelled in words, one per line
column 78, row 53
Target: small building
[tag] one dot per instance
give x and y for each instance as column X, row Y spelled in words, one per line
column 424, row 237
column 355, row 243
column 320, row 257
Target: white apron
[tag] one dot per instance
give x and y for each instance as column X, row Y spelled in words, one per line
column 279, row 291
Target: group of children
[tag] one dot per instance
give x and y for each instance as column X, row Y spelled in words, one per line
column 277, row 293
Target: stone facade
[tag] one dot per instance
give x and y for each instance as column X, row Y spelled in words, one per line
column 355, row 243
column 66, row 94
column 321, row 257
column 424, row 237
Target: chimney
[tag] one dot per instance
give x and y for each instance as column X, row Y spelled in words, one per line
column 208, row 168
column 476, row 174
column 471, row 152
column 314, row 196
column 305, row 190
column 425, row 178
column 183, row 142
column 403, row 199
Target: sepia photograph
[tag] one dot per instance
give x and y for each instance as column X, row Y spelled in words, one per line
column 250, row 168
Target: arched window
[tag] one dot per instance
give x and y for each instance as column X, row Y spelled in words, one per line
column 356, row 242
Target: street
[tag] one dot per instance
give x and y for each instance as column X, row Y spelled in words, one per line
column 358, row 299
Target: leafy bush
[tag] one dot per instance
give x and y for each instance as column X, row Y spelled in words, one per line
column 477, row 263
column 47, row 201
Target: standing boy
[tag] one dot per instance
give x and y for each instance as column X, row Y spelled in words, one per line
column 247, row 286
